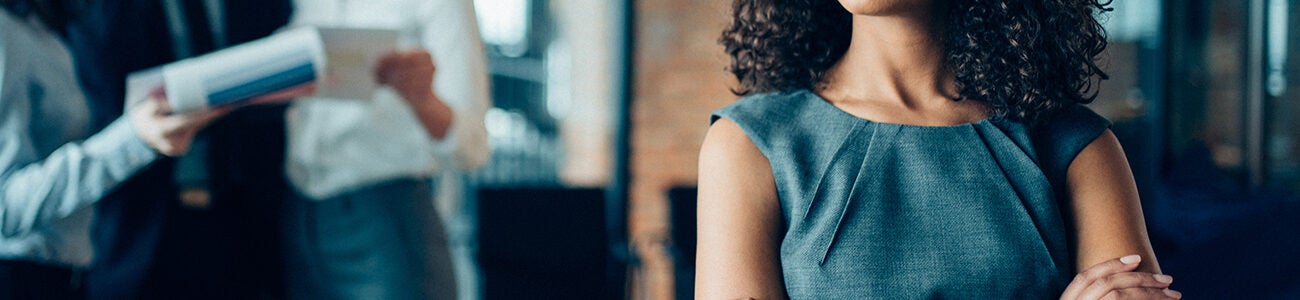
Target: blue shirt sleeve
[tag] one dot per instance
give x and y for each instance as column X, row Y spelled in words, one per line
column 36, row 190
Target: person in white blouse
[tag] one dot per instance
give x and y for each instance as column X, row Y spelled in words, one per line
column 52, row 165
column 364, row 224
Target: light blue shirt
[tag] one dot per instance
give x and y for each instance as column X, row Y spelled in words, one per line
column 51, row 168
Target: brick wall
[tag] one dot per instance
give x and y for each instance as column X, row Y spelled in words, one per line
column 680, row 78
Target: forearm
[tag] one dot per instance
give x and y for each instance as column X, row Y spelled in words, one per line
column 466, row 139
column 36, row 193
column 434, row 114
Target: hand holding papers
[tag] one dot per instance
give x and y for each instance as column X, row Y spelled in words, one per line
column 337, row 62
column 353, row 55
column 169, row 134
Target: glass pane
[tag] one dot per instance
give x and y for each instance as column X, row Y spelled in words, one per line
column 1131, row 97
column 551, row 91
column 1131, row 30
column 1282, row 71
column 504, row 24
column 1205, row 85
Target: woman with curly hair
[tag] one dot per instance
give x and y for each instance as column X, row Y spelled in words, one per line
column 918, row 149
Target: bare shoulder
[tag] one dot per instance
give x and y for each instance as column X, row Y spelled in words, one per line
column 729, row 159
column 1103, row 154
column 725, row 141
column 1104, row 206
column 739, row 219
column 1100, row 164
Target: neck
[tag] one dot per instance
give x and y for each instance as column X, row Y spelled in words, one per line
column 895, row 58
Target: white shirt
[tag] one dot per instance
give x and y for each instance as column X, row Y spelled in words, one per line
column 49, row 175
column 338, row 145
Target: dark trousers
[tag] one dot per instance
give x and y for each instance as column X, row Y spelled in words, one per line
column 148, row 246
column 28, row 280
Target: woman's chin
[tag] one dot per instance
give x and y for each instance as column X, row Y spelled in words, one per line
column 883, row 7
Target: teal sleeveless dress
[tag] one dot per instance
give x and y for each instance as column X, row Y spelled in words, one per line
column 890, row 211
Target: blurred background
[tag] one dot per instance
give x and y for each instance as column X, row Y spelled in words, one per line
column 601, row 107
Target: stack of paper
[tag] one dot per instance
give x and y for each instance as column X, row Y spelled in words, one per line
column 339, row 61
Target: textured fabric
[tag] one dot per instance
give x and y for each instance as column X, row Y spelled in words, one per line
column 51, row 166
column 379, row 242
column 878, row 210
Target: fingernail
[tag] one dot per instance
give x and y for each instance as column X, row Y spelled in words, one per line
column 1164, row 278
column 1173, row 293
column 1131, row 259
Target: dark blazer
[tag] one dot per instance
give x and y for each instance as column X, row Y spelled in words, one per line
column 146, row 244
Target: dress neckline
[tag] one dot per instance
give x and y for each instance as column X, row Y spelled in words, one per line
column 838, row 111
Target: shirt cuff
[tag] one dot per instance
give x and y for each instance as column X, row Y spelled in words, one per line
column 445, row 147
column 125, row 150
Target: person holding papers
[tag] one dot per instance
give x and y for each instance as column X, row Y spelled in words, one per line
column 203, row 225
column 363, row 225
column 52, row 168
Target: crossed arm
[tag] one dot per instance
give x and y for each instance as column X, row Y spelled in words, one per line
column 739, row 224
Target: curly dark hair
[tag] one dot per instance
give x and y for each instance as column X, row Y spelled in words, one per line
column 1025, row 59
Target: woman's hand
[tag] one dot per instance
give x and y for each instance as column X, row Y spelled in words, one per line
column 169, row 134
column 410, row 73
column 1115, row 279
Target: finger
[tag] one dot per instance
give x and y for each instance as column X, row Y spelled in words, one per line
column 1125, row 280
column 1173, row 294
column 203, row 118
column 1143, row 293
column 1106, row 268
column 418, row 58
column 173, row 124
column 166, row 146
column 149, row 107
column 381, row 73
column 421, row 57
column 152, row 106
column 154, row 96
column 383, row 66
column 179, row 142
column 179, row 148
column 193, row 121
column 160, row 101
column 159, row 91
column 170, row 125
